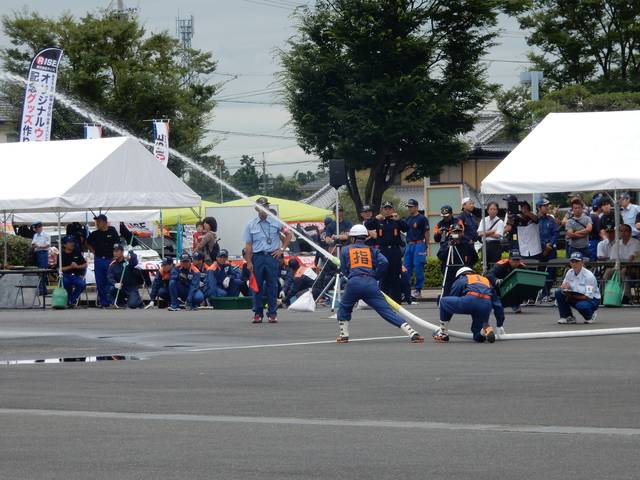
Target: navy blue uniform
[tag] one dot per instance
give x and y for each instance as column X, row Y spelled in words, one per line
column 549, row 236
column 131, row 281
column 472, row 295
column 73, row 279
column 160, row 286
column 102, row 243
column 390, row 244
column 364, row 266
column 415, row 255
column 185, row 285
column 216, row 276
column 469, row 237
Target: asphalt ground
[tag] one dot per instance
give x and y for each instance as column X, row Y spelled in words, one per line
column 214, row 396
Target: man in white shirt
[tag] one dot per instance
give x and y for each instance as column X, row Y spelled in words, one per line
column 604, row 246
column 40, row 244
column 625, row 250
column 628, row 212
column 491, row 229
column 579, row 290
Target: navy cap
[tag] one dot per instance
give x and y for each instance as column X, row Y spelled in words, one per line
column 387, row 204
column 118, row 246
column 224, row 253
column 542, row 202
column 510, row 198
column 365, row 208
column 576, row 257
column 412, row 203
column 36, row 224
column 185, row 257
column 68, row 239
column 167, row 261
column 446, row 210
column 102, row 217
column 515, row 254
column 263, row 201
column 293, row 263
column 198, row 256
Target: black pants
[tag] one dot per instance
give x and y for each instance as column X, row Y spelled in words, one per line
column 455, row 263
column 494, row 251
column 391, row 283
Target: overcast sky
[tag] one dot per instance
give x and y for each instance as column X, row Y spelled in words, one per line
column 243, row 36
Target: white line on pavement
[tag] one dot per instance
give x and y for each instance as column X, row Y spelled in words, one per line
column 293, row 344
column 326, row 422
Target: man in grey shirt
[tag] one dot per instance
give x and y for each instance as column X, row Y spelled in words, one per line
column 579, row 227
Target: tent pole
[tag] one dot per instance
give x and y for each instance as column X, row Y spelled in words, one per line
column 484, row 230
column 616, row 210
column 161, row 237
column 59, row 249
column 4, row 237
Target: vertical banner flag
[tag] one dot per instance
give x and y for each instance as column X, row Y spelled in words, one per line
column 161, row 141
column 92, row 131
column 39, row 96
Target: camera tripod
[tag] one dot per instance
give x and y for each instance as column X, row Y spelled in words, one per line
column 453, row 255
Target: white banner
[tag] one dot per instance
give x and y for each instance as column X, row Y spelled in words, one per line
column 161, row 141
column 39, row 95
column 92, row 131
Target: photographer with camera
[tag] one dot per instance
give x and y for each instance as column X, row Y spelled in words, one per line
column 470, row 233
column 448, row 233
column 522, row 226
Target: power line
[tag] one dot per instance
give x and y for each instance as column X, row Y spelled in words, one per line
column 247, row 134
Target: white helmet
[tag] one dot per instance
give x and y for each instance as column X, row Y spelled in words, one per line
column 463, row 270
column 358, row 231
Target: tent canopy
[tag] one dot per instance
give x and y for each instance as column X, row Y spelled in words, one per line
column 570, row 152
column 187, row 216
column 95, row 174
column 288, row 210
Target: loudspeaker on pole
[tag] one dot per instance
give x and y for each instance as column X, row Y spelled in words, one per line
column 337, row 173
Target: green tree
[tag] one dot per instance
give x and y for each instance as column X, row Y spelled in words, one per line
column 285, row 187
column 246, row 178
column 114, row 66
column 594, row 41
column 204, row 186
column 386, row 84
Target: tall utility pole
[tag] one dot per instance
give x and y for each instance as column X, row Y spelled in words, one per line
column 264, row 175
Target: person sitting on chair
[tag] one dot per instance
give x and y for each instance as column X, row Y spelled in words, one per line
column 160, row 285
column 74, row 267
column 124, row 278
column 223, row 279
column 184, row 285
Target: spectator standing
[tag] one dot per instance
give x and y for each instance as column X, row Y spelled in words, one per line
column 548, row 229
column 579, row 290
column 389, row 228
column 491, row 229
column 470, row 234
column 40, row 243
column 607, row 217
column 337, row 232
column 263, row 249
column 208, row 245
column 415, row 254
column 594, row 234
column 629, row 212
column 101, row 242
column 370, row 223
column 579, row 227
column 74, row 267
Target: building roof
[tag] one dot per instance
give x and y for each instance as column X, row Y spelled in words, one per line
column 314, row 186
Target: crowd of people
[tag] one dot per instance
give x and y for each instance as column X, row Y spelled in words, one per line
column 384, row 248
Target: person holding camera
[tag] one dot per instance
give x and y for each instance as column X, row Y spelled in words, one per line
column 470, row 233
column 448, row 233
column 522, row 226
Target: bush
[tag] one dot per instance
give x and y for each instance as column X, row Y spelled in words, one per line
column 18, row 250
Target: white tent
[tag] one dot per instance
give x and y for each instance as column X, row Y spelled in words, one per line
column 86, row 216
column 573, row 152
column 95, row 174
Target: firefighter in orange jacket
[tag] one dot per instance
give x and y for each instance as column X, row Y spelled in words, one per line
column 301, row 280
column 471, row 294
column 160, row 285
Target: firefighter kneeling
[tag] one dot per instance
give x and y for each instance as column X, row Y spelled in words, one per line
column 471, row 294
column 363, row 266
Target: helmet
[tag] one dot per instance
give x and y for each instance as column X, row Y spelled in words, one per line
column 358, row 231
column 462, row 271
